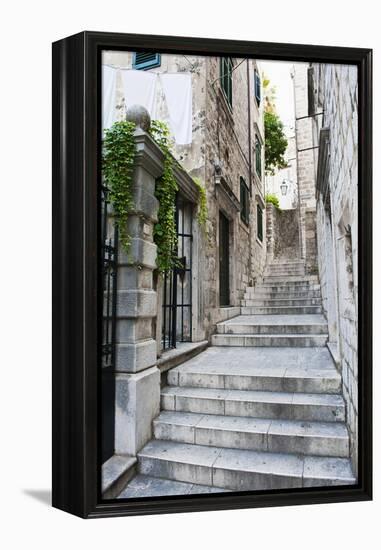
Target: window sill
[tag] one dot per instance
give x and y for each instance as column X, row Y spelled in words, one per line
column 259, row 242
column 245, row 227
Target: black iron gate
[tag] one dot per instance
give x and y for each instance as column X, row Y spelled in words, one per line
column 109, row 282
column 177, row 291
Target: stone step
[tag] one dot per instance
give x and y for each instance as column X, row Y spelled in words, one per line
column 270, row 340
column 148, row 486
column 285, row 272
column 240, row 469
column 290, row 279
column 268, row 324
column 263, row 294
column 287, row 261
column 281, row 310
column 255, row 434
column 293, row 286
column 257, row 404
column 258, row 302
column 306, row 370
column 285, row 269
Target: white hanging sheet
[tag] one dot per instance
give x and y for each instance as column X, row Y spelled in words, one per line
column 140, row 89
column 178, row 94
column 108, row 96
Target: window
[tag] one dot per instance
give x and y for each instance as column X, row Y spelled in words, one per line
column 244, row 200
column 259, row 223
column 257, row 87
column 146, row 60
column 258, row 157
column 311, row 91
column 226, row 67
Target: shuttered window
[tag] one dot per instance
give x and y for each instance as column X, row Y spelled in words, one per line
column 258, row 157
column 244, row 200
column 257, row 87
column 259, row 223
column 145, row 60
column 311, row 91
column 226, row 79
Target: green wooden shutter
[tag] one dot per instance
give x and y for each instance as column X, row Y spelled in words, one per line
column 226, row 78
column 259, row 223
column 257, row 87
column 146, row 60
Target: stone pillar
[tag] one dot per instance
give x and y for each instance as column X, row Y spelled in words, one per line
column 311, row 242
column 137, row 379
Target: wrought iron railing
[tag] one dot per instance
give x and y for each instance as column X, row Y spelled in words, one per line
column 109, row 281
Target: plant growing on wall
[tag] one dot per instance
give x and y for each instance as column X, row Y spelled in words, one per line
column 272, row 199
column 275, row 143
column 165, row 235
column 202, row 213
column 119, row 150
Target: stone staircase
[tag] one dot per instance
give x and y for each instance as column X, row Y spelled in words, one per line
column 261, row 408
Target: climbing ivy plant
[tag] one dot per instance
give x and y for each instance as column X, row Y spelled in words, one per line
column 119, row 150
column 273, row 199
column 165, row 234
column 202, row 213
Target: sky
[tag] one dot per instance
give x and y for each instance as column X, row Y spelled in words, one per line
column 279, row 74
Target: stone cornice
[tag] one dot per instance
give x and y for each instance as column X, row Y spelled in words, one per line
column 223, row 187
column 148, row 153
column 186, row 184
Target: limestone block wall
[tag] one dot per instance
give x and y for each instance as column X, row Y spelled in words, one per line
column 310, row 241
column 220, row 134
column 306, row 151
column 336, row 89
column 282, row 233
column 227, row 142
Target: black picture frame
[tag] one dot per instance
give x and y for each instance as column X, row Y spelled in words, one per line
column 76, row 173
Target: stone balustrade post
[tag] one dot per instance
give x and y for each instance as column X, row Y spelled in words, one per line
column 137, row 379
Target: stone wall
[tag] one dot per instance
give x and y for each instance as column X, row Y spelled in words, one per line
column 220, row 137
column 306, row 153
column 227, row 142
column 335, row 91
column 282, row 233
column 310, row 241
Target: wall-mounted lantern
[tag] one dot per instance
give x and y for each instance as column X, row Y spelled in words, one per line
column 284, row 187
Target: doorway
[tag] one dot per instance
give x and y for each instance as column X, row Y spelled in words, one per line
column 224, row 260
column 177, row 286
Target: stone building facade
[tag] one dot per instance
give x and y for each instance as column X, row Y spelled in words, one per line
column 333, row 104
column 227, row 139
column 226, row 155
column 306, row 152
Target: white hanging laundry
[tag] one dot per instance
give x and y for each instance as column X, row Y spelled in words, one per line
column 108, row 96
column 178, row 94
column 140, row 89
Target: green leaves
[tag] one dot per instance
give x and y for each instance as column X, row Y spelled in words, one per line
column 273, row 199
column 202, row 213
column 119, row 150
column 165, row 233
column 275, row 143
